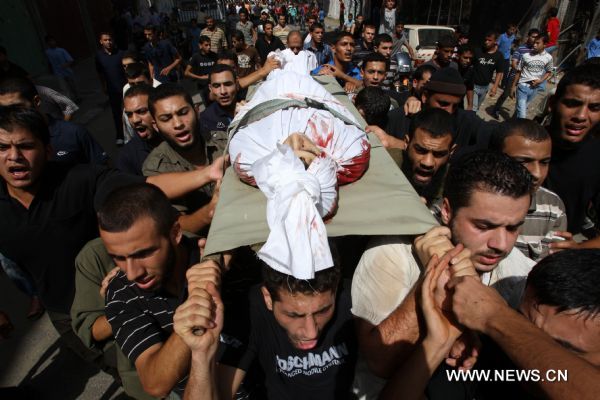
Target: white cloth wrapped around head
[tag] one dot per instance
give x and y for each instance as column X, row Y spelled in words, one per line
column 299, row 197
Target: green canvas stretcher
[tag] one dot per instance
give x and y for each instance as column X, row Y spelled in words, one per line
column 382, row 202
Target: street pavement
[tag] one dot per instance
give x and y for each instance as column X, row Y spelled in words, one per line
column 33, row 358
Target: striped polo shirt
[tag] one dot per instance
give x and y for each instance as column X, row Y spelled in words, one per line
column 139, row 318
column 546, row 214
column 217, row 39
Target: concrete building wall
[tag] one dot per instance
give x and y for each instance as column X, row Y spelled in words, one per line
column 19, row 35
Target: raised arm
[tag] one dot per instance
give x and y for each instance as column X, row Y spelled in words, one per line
column 203, row 310
column 410, row 380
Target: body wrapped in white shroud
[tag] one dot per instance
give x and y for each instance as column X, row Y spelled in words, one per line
column 298, row 197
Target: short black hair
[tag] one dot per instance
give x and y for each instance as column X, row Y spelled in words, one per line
column 218, row 68
column 544, row 37
column 435, row 121
column 316, row 25
column 128, row 204
column 463, row 48
column 491, row 33
column 584, row 74
column 382, row 38
column 239, row 35
column 268, row 22
column 243, row 11
column 487, row 171
column 342, row 35
column 553, row 11
column 12, row 117
column 533, row 31
column 227, row 55
column 375, row 104
column 518, row 126
column 165, row 91
column 203, row 39
column 142, row 89
column 107, row 33
column 150, row 27
column 23, row 86
column 137, row 69
column 421, row 69
column 324, row 280
column 373, row 57
column 568, row 280
column 446, row 41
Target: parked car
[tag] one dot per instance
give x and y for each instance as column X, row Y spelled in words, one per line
column 424, row 38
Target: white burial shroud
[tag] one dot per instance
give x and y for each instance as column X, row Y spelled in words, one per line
column 298, row 198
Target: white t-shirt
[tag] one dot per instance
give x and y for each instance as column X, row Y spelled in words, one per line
column 534, row 66
column 307, row 39
column 386, row 273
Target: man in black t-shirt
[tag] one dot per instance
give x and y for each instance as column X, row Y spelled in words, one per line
column 266, row 42
column 47, row 208
column 465, row 69
column 446, row 90
column 487, row 60
column 302, row 336
column 145, row 137
column 112, row 77
column 200, row 65
column 574, row 172
column 374, row 71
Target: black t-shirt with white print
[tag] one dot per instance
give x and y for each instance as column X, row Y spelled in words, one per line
column 324, row 372
column 484, row 65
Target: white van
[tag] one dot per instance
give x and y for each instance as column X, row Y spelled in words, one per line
column 423, row 39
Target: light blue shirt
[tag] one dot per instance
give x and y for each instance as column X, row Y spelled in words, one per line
column 593, row 48
column 57, row 57
column 504, row 44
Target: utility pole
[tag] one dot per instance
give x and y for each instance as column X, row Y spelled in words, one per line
column 429, row 11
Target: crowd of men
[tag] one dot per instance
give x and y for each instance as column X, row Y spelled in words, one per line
column 113, row 250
